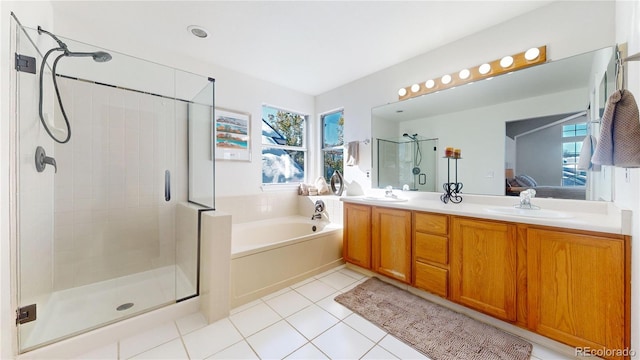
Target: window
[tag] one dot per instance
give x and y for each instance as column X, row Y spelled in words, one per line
column 284, row 149
column 575, row 133
column 332, row 143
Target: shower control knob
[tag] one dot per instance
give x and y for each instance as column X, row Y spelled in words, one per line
column 42, row 160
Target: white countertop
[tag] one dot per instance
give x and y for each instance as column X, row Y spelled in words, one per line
column 581, row 214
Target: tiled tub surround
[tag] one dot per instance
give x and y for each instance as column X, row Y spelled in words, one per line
column 275, row 204
column 280, row 257
column 268, row 255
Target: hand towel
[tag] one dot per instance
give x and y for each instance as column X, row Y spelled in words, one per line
column 619, row 142
column 352, row 153
column 588, row 146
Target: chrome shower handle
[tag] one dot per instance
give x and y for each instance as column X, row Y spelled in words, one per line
column 42, row 160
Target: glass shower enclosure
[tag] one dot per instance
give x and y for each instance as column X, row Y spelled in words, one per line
column 95, row 217
column 407, row 161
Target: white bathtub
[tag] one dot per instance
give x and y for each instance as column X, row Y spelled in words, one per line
column 269, row 255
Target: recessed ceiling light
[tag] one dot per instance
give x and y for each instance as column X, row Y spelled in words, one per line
column 198, row 31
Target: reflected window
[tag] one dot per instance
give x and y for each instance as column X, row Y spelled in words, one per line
column 575, row 133
column 332, row 143
column 284, row 149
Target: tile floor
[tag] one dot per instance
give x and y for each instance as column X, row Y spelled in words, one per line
column 299, row 322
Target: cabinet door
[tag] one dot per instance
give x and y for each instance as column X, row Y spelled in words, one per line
column 576, row 288
column 356, row 246
column 392, row 243
column 483, row 266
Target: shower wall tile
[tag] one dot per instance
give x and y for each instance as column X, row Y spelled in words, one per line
column 110, row 217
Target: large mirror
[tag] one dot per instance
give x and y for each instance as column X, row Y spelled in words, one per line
column 525, row 125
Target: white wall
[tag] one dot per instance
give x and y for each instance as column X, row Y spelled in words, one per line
column 627, row 183
column 567, row 28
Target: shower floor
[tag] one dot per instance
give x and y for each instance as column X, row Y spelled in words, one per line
column 72, row 311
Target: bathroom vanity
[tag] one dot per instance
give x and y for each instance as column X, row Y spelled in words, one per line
column 563, row 272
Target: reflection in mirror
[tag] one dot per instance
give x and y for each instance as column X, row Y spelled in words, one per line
column 474, row 118
column 408, row 163
column 543, row 153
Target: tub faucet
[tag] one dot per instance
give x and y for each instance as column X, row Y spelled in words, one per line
column 318, row 210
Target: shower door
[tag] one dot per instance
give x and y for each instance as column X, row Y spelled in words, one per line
column 96, row 234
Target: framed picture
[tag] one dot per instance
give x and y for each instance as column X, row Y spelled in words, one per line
column 232, row 135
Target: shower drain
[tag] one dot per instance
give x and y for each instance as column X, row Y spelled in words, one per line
column 124, row 306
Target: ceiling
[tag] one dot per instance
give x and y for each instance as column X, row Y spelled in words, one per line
column 308, row 46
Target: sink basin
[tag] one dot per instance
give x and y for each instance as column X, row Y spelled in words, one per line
column 385, row 199
column 536, row 213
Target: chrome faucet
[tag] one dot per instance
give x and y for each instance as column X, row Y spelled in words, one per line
column 319, row 208
column 525, row 199
column 388, row 192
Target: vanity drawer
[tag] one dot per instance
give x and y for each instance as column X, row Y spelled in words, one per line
column 432, row 223
column 432, row 279
column 432, row 248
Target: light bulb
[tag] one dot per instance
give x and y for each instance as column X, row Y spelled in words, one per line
column 532, row 54
column 415, row 88
column 446, row 79
column 402, row 92
column 464, row 73
column 484, row 68
column 430, row 84
column 506, row 61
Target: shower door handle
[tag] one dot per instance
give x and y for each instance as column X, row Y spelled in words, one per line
column 167, row 185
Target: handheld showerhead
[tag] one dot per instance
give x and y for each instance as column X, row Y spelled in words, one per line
column 98, row 56
column 101, row 56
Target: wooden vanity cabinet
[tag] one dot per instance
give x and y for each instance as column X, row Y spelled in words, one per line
column 431, row 253
column 572, row 286
column 391, row 243
column 483, row 266
column 576, row 287
column 356, row 247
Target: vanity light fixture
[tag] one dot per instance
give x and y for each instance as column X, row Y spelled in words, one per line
column 506, row 61
column 484, row 69
column 504, row 65
column 532, row 54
